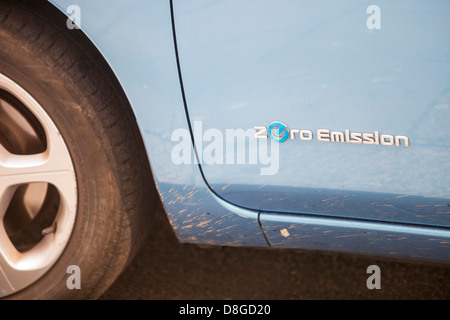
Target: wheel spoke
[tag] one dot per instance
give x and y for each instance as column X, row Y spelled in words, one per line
column 8, row 253
column 6, row 194
column 18, row 269
column 49, row 166
column 55, row 158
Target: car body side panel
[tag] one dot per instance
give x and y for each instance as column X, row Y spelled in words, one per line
column 316, row 65
column 136, row 39
column 357, row 236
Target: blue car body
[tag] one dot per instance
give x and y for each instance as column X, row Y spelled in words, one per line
column 364, row 166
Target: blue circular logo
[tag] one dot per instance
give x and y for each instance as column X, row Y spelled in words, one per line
column 278, row 131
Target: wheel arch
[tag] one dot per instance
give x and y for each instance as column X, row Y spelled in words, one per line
column 80, row 37
column 145, row 65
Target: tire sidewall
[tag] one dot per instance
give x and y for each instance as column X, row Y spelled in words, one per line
column 98, row 210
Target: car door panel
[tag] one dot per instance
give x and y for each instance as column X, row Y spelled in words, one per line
column 320, row 67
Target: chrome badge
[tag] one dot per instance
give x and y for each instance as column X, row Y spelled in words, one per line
column 279, row 132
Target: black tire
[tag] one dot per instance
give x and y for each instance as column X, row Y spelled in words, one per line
column 62, row 70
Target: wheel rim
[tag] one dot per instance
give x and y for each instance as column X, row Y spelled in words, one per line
column 32, row 178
